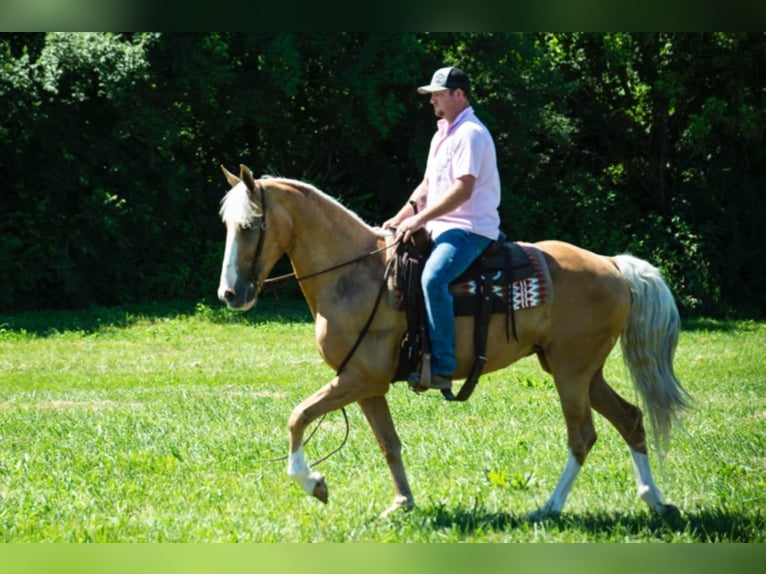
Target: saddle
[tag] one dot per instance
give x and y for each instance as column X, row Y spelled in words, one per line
column 506, row 277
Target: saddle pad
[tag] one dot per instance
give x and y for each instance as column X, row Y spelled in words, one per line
column 527, row 292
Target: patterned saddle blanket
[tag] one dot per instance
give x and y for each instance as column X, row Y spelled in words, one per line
column 518, row 275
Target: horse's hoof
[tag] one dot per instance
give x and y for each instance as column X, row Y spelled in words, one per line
column 400, row 504
column 670, row 511
column 541, row 514
column 535, row 516
column 320, row 490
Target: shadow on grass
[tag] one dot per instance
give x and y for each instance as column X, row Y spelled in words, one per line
column 95, row 319
column 698, row 526
column 701, row 324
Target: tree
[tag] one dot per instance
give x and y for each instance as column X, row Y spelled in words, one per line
column 110, row 146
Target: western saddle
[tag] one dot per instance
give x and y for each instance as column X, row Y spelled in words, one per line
column 485, row 288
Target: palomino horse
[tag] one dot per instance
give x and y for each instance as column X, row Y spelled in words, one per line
column 339, row 261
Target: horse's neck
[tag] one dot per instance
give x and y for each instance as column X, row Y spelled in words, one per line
column 325, row 234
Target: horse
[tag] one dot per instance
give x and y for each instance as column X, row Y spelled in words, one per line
column 340, row 262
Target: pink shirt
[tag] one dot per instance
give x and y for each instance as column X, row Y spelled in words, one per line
column 464, row 147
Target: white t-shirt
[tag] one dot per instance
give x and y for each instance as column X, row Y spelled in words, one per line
column 464, row 147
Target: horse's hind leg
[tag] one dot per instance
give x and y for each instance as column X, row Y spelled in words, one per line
column 628, row 421
column 581, row 435
column 379, row 416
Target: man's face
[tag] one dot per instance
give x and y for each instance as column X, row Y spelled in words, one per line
column 447, row 103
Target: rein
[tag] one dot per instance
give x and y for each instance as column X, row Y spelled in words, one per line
column 389, row 266
column 281, row 278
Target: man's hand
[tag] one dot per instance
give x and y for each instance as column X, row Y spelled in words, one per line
column 406, row 228
column 390, row 223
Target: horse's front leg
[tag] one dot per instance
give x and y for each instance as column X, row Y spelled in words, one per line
column 338, row 393
column 299, row 470
column 379, row 416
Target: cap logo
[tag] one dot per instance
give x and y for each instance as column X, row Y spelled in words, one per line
column 439, row 79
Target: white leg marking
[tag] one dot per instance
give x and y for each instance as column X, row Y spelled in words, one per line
column 299, row 471
column 558, row 498
column 647, row 489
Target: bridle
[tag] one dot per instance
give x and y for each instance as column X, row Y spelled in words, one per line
column 263, row 225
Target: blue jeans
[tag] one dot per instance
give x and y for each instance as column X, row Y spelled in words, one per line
column 453, row 252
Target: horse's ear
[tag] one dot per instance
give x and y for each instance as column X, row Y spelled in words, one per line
column 230, row 177
column 247, row 176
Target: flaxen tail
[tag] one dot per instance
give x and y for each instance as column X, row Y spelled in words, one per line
column 649, row 343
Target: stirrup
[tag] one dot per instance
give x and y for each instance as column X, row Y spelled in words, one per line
column 425, row 380
column 438, row 383
column 421, row 381
column 416, row 384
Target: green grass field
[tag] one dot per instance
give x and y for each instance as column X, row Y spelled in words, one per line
column 157, row 423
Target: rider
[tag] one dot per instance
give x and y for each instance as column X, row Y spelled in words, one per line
column 457, row 203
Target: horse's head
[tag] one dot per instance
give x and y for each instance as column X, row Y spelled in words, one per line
column 242, row 212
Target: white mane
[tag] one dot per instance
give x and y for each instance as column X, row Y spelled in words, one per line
column 236, row 207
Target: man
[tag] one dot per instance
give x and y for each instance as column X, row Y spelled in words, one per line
column 457, row 202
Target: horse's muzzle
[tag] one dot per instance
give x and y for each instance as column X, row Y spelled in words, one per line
column 238, row 299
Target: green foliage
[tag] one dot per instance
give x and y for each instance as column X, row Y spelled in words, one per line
column 650, row 143
column 665, row 127
column 79, row 67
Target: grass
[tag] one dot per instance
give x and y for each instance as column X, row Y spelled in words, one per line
column 158, row 423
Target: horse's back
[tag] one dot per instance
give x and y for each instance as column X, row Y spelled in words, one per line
column 569, row 257
column 590, row 294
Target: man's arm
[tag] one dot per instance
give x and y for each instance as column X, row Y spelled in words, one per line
column 418, row 197
column 458, row 194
